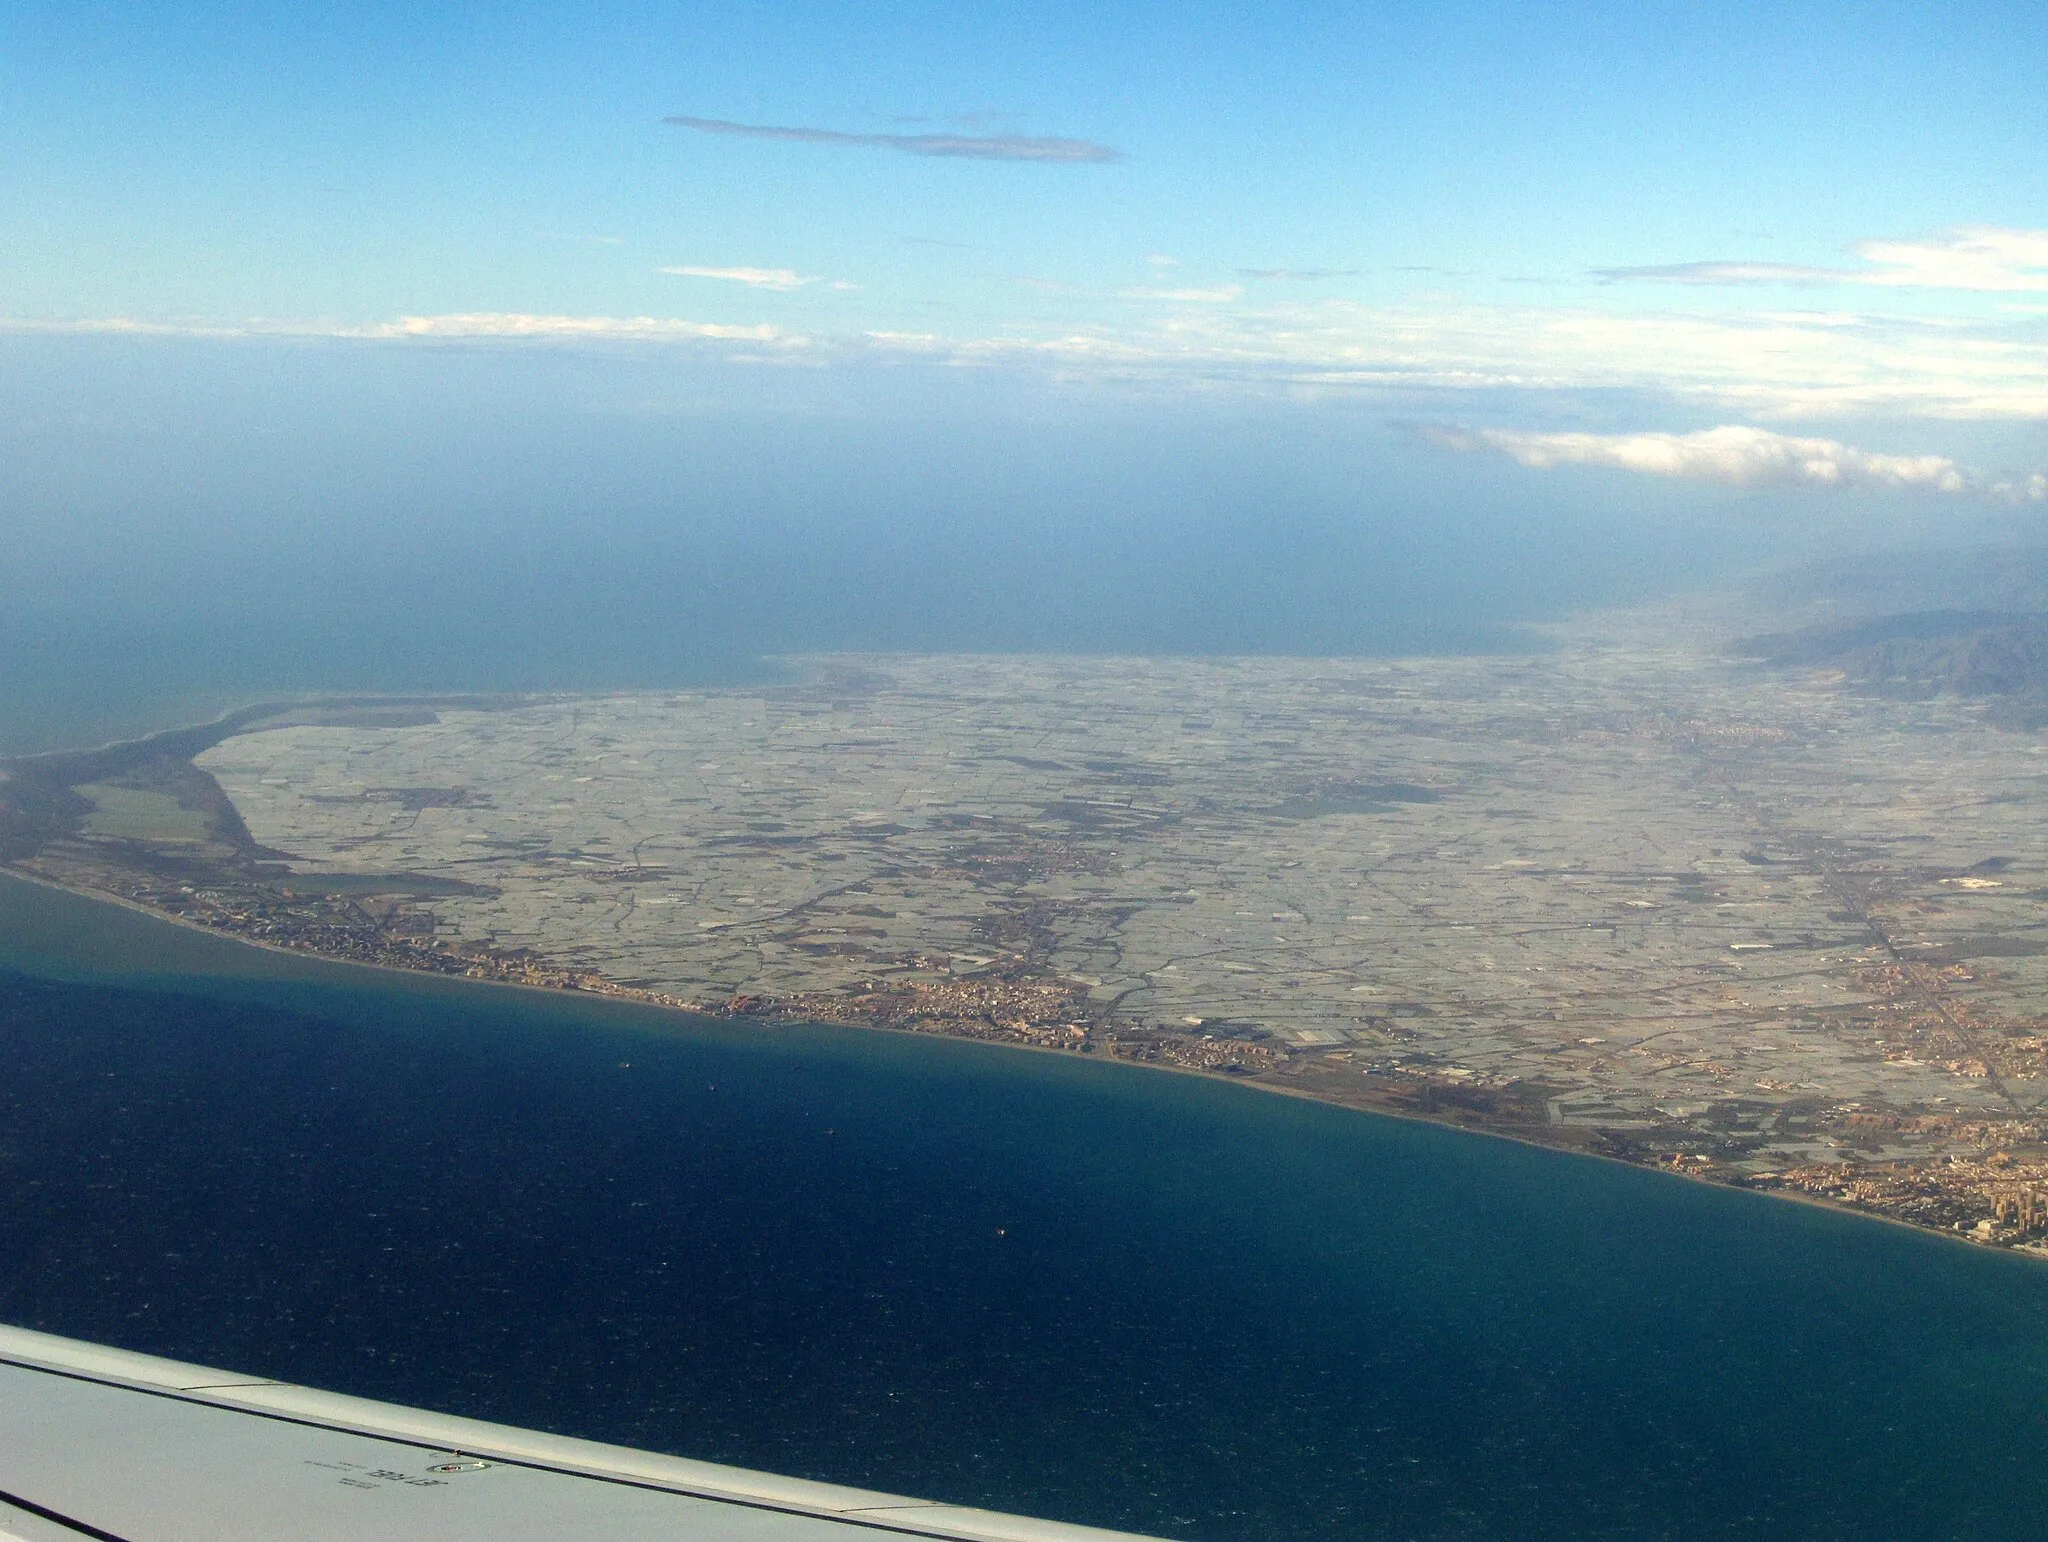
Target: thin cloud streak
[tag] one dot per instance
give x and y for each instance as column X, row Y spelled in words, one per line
column 1040, row 149
column 1736, row 455
column 779, row 279
column 1221, row 295
column 520, row 325
column 517, row 326
column 1724, row 274
column 1976, row 259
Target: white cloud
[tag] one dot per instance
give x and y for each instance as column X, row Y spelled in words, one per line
column 1980, row 258
column 1785, row 365
column 1162, row 260
column 1782, row 365
column 1984, row 259
column 779, row 279
column 1736, row 455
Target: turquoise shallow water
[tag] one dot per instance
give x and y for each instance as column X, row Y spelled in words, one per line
column 1034, row 1283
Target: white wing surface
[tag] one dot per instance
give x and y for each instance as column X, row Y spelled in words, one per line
column 98, row 1442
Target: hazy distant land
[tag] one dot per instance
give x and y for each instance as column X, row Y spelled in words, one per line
column 1760, row 913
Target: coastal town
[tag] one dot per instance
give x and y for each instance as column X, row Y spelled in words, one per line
column 1632, row 893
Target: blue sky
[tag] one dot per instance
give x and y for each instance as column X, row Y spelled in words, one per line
column 226, row 162
column 1786, row 265
column 1296, row 192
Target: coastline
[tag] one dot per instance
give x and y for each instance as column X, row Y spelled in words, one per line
column 626, row 997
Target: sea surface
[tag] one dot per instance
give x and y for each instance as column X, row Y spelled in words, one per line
column 1095, row 1292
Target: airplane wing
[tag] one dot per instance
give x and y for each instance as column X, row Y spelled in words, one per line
column 99, row 1442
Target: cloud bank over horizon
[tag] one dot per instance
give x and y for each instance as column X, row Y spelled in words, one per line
column 1788, row 365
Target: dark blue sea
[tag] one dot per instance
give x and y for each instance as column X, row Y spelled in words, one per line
column 1088, row 1291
